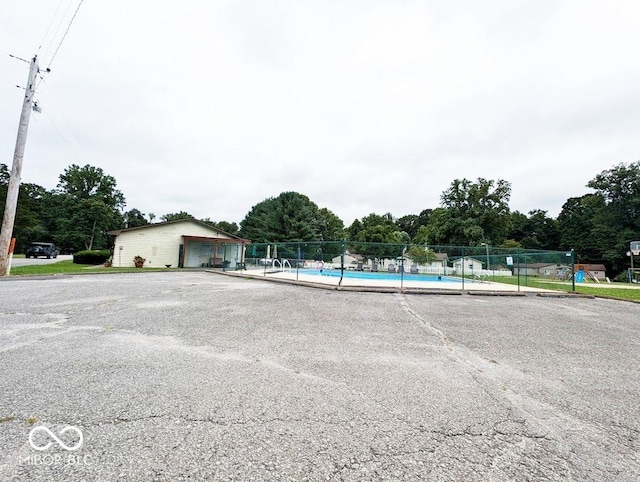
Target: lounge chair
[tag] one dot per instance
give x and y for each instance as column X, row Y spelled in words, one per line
column 414, row 269
column 359, row 267
column 374, row 267
column 392, row 268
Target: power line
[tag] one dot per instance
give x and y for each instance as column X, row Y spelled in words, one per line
column 12, row 83
column 65, row 33
column 55, row 34
column 63, row 137
column 66, row 119
column 51, row 23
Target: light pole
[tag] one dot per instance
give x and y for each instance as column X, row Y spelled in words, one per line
column 487, row 246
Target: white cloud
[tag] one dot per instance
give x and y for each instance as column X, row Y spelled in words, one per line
column 210, row 107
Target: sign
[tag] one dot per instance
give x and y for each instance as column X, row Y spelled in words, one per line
column 509, row 260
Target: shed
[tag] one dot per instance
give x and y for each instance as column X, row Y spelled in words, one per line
column 471, row 265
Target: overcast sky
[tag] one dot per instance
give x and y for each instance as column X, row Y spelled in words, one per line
column 364, row 106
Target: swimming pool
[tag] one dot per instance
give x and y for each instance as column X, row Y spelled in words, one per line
column 335, row 273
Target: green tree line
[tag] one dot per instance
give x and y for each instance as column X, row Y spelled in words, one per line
column 599, row 224
column 79, row 212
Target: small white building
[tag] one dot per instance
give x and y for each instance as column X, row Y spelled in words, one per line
column 471, row 265
column 185, row 243
column 440, row 261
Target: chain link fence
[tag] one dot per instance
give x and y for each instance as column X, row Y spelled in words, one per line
column 409, row 262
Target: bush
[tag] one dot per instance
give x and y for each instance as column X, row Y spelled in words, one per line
column 96, row 256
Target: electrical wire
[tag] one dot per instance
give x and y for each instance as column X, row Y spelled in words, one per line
column 64, row 15
column 63, row 138
column 50, row 24
column 65, row 33
column 66, row 119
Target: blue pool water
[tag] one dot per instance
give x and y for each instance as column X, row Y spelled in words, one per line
column 380, row 275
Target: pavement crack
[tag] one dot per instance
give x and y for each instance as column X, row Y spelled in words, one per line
column 438, row 333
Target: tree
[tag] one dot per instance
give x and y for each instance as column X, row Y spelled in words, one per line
column 544, row 233
column 423, row 217
column 471, row 213
column 353, row 230
column 374, row 234
column 620, row 187
column 231, row 228
column 134, row 218
column 290, row 217
column 511, row 244
column 577, row 225
column 28, row 224
column 89, row 182
column 600, row 225
column 537, row 231
column 331, row 227
column 519, row 226
column 618, row 222
column 85, row 205
column 421, row 254
column 5, row 174
column 421, row 236
column 409, row 224
column 176, row 216
column 447, row 227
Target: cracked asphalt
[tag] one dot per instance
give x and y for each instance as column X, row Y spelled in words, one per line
column 200, row 376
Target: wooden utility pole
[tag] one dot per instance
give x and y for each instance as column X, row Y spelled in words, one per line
column 16, row 170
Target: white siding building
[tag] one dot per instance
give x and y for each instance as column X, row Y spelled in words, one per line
column 471, row 265
column 184, row 243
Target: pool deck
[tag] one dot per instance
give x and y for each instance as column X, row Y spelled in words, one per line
column 408, row 283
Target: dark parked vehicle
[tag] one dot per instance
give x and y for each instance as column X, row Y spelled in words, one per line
column 48, row 250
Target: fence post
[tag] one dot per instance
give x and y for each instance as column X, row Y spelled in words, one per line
column 573, row 274
column 462, row 262
column 518, row 265
column 341, row 261
column 404, row 250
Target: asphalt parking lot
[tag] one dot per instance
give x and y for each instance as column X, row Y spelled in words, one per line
column 200, row 376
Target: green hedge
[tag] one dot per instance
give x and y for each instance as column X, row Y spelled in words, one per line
column 96, row 256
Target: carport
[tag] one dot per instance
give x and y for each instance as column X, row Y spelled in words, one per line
column 204, row 251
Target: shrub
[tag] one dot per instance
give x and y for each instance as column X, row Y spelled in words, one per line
column 96, row 256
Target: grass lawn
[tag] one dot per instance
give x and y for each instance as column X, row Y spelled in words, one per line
column 621, row 291
column 68, row 266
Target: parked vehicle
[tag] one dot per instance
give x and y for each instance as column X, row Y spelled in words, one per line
column 48, row 250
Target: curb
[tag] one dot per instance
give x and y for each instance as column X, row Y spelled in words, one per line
column 374, row 289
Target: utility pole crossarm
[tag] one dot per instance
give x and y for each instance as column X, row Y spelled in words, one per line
column 13, row 188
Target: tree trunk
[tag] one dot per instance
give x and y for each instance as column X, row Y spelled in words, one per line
column 93, row 229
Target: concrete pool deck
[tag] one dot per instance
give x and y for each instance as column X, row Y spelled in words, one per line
column 408, row 283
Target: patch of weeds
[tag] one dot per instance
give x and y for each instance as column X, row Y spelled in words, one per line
column 32, row 420
column 10, row 418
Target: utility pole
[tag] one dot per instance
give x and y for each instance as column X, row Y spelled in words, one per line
column 16, row 169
